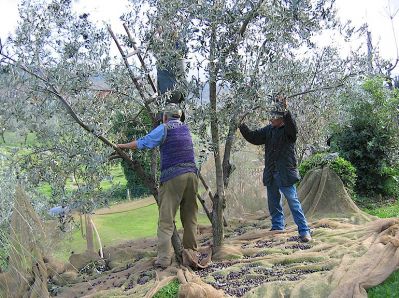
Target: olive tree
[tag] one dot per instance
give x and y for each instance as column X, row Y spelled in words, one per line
column 238, row 53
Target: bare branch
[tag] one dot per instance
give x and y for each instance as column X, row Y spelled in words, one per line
column 316, row 69
column 315, row 90
column 249, row 17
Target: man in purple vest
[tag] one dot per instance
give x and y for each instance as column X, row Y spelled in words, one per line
column 179, row 182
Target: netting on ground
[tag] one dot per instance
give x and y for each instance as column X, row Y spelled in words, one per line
column 27, row 272
column 350, row 252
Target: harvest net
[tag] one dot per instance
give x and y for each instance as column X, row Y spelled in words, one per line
column 350, row 252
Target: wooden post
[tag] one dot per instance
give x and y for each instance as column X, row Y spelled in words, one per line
column 98, row 237
column 89, row 234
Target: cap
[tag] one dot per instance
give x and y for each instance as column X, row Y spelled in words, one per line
column 277, row 110
column 173, row 110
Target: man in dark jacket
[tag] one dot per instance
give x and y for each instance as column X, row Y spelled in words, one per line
column 280, row 173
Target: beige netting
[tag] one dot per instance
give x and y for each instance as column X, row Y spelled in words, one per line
column 323, row 195
column 27, row 272
column 350, row 252
column 246, row 192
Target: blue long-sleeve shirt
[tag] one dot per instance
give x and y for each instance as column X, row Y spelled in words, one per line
column 153, row 139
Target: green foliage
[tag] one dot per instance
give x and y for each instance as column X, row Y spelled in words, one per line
column 369, row 138
column 12, row 138
column 390, row 185
column 132, row 131
column 169, row 291
column 345, row 170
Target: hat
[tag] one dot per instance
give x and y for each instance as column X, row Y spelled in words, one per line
column 275, row 115
column 173, row 110
column 277, row 110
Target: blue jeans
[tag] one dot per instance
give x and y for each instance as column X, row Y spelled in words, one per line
column 276, row 208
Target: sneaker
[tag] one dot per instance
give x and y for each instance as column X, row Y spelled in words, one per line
column 305, row 238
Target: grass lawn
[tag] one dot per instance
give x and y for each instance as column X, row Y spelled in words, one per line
column 15, row 140
column 115, row 228
column 390, row 287
column 391, row 210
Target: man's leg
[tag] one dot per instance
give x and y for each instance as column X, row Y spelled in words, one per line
column 170, row 194
column 275, row 206
column 296, row 209
column 189, row 211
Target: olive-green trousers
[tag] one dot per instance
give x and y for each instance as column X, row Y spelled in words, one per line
column 179, row 191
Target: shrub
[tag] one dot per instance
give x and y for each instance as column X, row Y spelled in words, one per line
column 129, row 132
column 369, row 136
column 345, row 170
column 390, row 185
column 365, row 145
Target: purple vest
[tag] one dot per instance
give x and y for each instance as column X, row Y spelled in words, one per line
column 177, row 152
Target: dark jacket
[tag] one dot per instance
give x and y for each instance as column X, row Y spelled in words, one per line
column 279, row 150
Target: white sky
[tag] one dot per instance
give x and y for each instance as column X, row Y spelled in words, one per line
column 374, row 12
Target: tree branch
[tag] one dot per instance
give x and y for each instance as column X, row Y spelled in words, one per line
column 315, row 90
column 241, row 31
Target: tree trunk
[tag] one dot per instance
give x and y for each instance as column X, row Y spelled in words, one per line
column 217, row 214
column 228, row 168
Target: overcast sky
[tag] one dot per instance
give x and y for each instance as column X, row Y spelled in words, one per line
column 374, row 12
